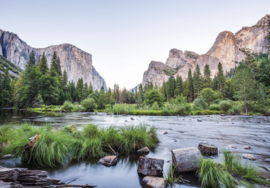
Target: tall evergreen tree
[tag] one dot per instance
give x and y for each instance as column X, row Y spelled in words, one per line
column 65, row 78
column 220, row 78
column 141, row 94
column 31, row 62
column 207, row 76
column 43, row 67
column 179, row 85
column 116, row 94
column 171, row 87
column 190, row 86
column 102, row 101
column 197, row 81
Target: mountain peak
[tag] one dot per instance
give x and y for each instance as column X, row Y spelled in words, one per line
column 264, row 21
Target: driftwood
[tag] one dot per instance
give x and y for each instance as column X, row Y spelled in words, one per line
column 31, row 142
column 24, row 177
column 76, row 185
column 208, row 149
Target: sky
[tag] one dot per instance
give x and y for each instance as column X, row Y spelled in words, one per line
column 124, row 36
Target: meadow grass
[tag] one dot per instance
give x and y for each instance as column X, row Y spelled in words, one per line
column 56, row 146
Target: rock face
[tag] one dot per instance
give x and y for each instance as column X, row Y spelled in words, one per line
column 226, row 50
column 75, row 61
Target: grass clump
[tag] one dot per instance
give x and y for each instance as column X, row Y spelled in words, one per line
column 231, row 173
column 6, row 134
column 170, row 179
column 56, row 146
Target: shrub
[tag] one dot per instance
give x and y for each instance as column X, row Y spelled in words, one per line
column 235, row 110
column 67, row 106
column 155, row 106
column 208, row 95
column 225, row 105
column 78, row 108
column 214, row 107
column 217, row 101
column 199, row 104
column 89, row 104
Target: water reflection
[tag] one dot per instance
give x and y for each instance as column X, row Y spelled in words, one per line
column 222, row 131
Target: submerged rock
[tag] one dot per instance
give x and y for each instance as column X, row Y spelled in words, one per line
column 143, row 150
column 165, row 132
column 248, row 156
column 7, row 156
column 154, row 182
column 208, row 149
column 150, row 166
column 186, row 159
column 108, row 160
column 247, row 147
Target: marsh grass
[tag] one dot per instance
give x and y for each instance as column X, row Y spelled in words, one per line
column 6, row 133
column 216, row 175
column 56, row 146
column 170, row 179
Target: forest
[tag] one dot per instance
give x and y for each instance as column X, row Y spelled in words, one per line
column 244, row 89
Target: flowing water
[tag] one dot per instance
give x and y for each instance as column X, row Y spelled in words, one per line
column 183, row 132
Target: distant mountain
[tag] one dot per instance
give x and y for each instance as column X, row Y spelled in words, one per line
column 226, row 50
column 75, row 61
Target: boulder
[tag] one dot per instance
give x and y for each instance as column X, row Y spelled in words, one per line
column 165, row 132
column 108, row 160
column 143, row 150
column 154, row 182
column 31, row 142
column 186, row 159
column 208, row 149
column 150, row 166
column 199, row 120
column 248, row 156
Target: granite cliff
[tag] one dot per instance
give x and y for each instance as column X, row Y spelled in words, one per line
column 226, row 50
column 75, row 61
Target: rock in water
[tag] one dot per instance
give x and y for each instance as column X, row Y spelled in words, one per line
column 150, row 166
column 154, row 182
column 143, row 150
column 186, row 159
column 165, row 132
column 108, row 160
column 208, row 149
column 7, row 156
column 199, row 120
column 248, row 156
column 247, row 147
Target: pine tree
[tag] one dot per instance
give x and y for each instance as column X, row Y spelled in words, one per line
column 43, row 64
column 31, row 62
column 221, row 78
column 102, row 101
column 207, row 76
column 190, row 86
column 49, row 88
column 141, row 93
column 171, row 87
column 85, row 91
column 58, row 66
column 90, row 89
column 179, row 85
column 6, row 87
column 65, row 79
column 197, row 81
column 116, row 94
column 54, row 63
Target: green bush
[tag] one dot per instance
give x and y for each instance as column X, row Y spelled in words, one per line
column 78, row 108
column 225, row 105
column 208, row 95
column 89, row 104
column 235, row 110
column 199, row 104
column 155, row 106
column 67, row 106
column 214, row 107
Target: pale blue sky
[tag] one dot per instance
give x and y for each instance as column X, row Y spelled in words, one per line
column 124, row 36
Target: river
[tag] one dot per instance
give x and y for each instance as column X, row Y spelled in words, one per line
column 183, row 132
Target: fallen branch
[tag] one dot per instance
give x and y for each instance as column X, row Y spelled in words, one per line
column 112, row 149
column 84, row 186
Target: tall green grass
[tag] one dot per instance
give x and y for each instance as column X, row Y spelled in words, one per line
column 230, row 173
column 56, row 146
column 170, row 179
